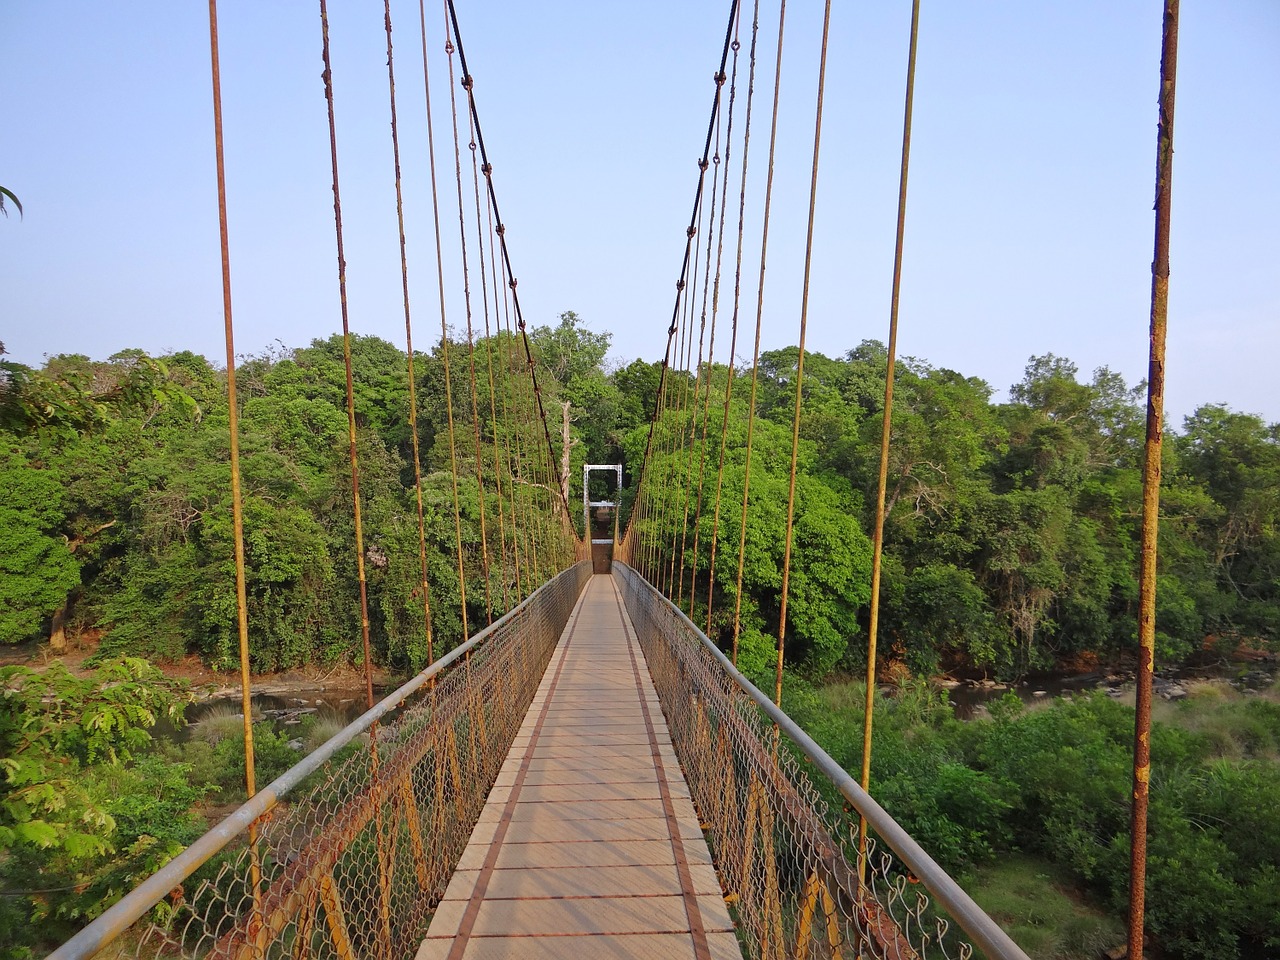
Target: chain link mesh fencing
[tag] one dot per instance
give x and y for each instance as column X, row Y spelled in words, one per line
column 782, row 818
column 347, row 854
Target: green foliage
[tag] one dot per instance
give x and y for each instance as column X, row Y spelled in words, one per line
column 36, row 568
column 52, row 726
column 1034, row 902
column 1052, row 786
column 272, row 756
column 84, row 812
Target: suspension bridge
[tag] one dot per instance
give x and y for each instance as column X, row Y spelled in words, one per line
column 590, row 774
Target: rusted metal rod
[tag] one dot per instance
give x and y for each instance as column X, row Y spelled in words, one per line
column 877, row 543
column 1151, row 485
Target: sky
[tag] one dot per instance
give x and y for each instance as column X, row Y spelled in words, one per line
column 1029, row 222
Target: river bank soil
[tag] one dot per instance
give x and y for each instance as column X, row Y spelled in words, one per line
column 210, row 684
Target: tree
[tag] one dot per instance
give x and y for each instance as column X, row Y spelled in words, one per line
column 85, row 811
column 36, row 569
column 572, row 356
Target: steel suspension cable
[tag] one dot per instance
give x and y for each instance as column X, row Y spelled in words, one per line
column 352, row 454
column 444, row 330
column 702, row 332
column 468, row 84
column 715, row 312
column 233, row 423
column 669, row 449
column 475, row 406
column 1151, row 476
column 493, row 419
column 466, row 297
column 689, row 382
column 755, row 356
column 408, row 343
column 737, row 294
column 687, row 484
column 877, row 542
column 690, row 232
column 804, row 318
column 512, row 396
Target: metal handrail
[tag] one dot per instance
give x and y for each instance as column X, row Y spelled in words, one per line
column 985, row 933
column 134, row 905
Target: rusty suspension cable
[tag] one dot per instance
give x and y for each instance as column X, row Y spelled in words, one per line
column 737, row 299
column 468, row 83
column 755, row 356
column 408, row 344
column 471, row 363
column 804, row 318
column 237, row 500
column 693, row 218
column 877, row 543
column 715, row 312
column 444, row 328
column 352, row 454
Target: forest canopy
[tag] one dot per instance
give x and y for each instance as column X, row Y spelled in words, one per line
column 1010, row 545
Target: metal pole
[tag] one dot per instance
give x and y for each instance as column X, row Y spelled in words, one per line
column 1151, row 485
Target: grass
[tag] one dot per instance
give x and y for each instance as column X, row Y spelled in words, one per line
column 1039, row 908
column 322, row 726
column 1237, row 725
column 222, row 721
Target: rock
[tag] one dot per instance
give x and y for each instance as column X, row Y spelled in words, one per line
column 1174, row 691
column 1256, row 680
column 1117, row 953
column 295, row 745
column 1040, row 693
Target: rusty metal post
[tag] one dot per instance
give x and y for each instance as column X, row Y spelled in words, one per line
column 1151, row 484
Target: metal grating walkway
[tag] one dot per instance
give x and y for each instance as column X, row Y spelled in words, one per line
column 589, row 845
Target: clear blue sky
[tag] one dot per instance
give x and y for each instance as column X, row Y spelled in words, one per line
column 1029, row 225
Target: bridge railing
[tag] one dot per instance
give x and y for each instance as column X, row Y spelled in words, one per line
column 789, row 861
column 347, row 854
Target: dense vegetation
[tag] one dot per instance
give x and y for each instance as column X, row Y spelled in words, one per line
column 115, row 505
column 1051, row 787
column 1010, row 547
column 1010, row 541
column 1011, row 538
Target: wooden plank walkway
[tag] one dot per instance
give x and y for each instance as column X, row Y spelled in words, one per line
column 589, row 845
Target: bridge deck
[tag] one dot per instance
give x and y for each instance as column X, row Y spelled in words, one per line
column 589, row 844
